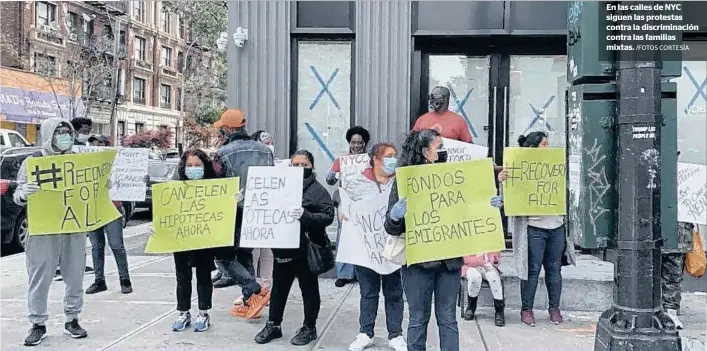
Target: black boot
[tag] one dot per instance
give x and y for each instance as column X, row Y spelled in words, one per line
column 126, row 287
column 470, row 308
column 269, row 333
column 499, row 318
column 96, row 287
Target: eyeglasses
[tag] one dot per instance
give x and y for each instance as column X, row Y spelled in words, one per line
column 62, row 131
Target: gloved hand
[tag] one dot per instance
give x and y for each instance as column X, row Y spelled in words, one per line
column 27, row 189
column 399, row 209
column 239, row 196
column 151, row 231
column 497, row 201
column 296, row 213
column 331, row 178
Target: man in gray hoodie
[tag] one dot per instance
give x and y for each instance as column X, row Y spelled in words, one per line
column 44, row 252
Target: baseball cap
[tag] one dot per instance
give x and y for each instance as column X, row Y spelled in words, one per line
column 232, row 117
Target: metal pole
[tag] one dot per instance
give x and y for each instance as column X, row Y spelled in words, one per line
column 114, row 82
column 637, row 320
column 180, row 136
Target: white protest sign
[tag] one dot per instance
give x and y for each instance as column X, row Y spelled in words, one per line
column 271, row 192
column 128, row 174
column 362, row 233
column 351, row 167
column 458, row 151
column 692, row 193
column 283, row 163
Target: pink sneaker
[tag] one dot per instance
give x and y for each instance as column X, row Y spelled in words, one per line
column 555, row 315
column 527, row 318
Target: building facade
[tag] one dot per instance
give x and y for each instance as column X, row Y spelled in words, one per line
column 311, row 69
column 44, row 37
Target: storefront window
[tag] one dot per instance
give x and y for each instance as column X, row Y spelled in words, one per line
column 537, row 97
column 323, row 100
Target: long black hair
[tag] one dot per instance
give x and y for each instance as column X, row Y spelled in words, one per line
column 306, row 154
column 414, row 146
column 531, row 140
column 209, row 172
column 256, row 136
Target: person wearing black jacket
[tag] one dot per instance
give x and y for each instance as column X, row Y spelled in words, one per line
column 316, row 213
column 422, row 280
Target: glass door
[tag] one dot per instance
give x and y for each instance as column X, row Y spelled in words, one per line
column 468, row 79
column 536, row 97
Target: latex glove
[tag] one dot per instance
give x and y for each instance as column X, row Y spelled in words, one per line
column 399, row 209
column 296, row 213
column 28, row 189
column 497, row 201
column 331, row 178
column 239, row 196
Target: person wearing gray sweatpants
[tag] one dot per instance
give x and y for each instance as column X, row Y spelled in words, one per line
column 44, row 252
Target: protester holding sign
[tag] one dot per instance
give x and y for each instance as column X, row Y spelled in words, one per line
column 372, row 270
column 441, row 278
column 194, row 165
column 114, row 232
column 539, row 242
column 315, row 214
column 44, row 252
column 358, row 138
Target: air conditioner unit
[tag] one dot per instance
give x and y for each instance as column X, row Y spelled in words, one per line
column 45, row 28
column 74, row 37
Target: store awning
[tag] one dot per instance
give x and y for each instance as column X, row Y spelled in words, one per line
column 26, row 106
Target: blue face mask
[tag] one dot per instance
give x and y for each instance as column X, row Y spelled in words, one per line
column 389, row 164
column 194, row 173
column 63, row 142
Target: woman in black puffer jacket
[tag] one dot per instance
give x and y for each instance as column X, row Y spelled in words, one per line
column 316, row 213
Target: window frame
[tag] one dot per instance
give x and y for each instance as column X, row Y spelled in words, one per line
column 139, row 11
column 166, row 56
column 72, row 22
column 50, row 13
column 166, row 21
column 139, row 46
column 136, row 99
column 38, row 56
column 168, row 89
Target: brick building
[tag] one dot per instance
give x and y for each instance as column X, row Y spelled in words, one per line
column 45, row 37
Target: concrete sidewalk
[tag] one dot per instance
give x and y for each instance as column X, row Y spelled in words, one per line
column 142, row 320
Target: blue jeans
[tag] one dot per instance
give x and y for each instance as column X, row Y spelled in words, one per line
column 241, row 270
column 545, row 250
column 419, row 285
column 114, row 232
column 370, row 283
column 343, row 270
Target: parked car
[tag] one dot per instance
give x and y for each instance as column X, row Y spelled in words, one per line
column 10, row 139
column 161, row 168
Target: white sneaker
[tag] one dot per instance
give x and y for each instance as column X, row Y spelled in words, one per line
column 361, row 342
column 238, row 301
column 673, row 314
column 398, row 344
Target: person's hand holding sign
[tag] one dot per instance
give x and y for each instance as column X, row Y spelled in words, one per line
column 399, row 209
column 502, row 175
column 239, row 196
column 497, row 201
column 342, row 217
column 27, row 189
column 296, row 213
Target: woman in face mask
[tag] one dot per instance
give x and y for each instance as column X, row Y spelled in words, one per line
column 539, row 241
column 376, row 181
column 316, row 213
column 262, row 258
column 194, row 165
column 423, row 280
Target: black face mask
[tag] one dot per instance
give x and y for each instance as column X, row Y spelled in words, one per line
column 441, row 156
column 307, row 172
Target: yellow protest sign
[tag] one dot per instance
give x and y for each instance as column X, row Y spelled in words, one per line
column 74, row 194
column 192, row 215
column 449, row 212
column 536, row 181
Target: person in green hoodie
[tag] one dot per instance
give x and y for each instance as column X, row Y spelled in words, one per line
column 44, row 252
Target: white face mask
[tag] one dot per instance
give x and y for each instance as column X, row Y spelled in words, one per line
column 82, row 138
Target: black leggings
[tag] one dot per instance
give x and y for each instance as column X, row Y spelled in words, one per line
column 283, row 276
column 204, row 286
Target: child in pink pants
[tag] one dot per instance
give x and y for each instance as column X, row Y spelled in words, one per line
column 477, row 268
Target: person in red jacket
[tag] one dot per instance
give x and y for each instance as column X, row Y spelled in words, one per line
column 476, row 268
column 447, row 123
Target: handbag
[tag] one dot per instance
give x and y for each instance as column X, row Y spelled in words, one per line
column 320, row 259
column 394, row 250
column 695, row 260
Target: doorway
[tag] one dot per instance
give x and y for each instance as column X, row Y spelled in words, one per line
column 503, row 87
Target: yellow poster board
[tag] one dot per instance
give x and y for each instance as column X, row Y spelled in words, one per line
column 192, row 215
column 536, row 181
column 449, row 212
column 74, row 194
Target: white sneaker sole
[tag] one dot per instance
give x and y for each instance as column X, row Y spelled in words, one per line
column 360, row 348
column 37, row 342
column 73, row 335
